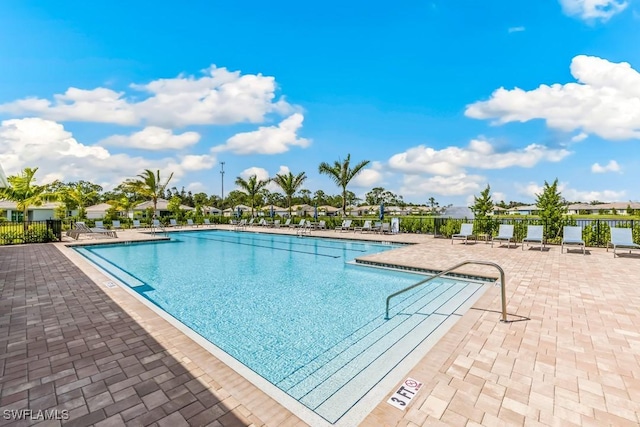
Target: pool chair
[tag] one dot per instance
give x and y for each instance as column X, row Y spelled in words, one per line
column 115, row 224
column 365, row 227
column 262, row 222
column 572, row 235
column 505, row 233
column 322, row 225
column 99, row 224
column 286, row 223
column 240, row 225
column 345, row 226
column 190, row 223
column 136, row 223
column 622, row 238
column 173, row 223
column 376, row 226
column 207, row 222
column 534, row 235
column 276, row 223
column 385, row 228
column 304, row 228
column 250, row 223
column 466, row 231
column 81, row 228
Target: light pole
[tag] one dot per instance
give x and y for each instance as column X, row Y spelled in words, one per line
column 222, row 183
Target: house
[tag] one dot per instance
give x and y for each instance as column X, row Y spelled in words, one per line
column 234, row 211
column 162, row 207
column 497, row 210
column 277, row 210
column 98, row 211
column 210, row 210
column 302, row 210
column 35, row 213
column 619, row 208
column 523, row 210
column 327, row 210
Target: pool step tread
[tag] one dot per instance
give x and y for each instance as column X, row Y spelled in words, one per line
column 360, row 336
column 392, row 332
column 337, row 404
column 122, row 275
column 452, row 305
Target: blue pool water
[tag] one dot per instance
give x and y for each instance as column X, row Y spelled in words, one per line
column 291, row 309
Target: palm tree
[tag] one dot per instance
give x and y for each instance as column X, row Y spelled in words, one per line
column 342, row 174
column 24, row 191
column 149, row 185
column 80, row 194
column 252, row 187
column 290, row 184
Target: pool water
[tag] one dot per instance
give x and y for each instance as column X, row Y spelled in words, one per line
column 291, row 309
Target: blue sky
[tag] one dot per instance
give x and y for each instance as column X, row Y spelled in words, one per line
column 443, row 97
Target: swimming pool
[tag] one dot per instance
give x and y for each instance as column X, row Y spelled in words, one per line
column 293, row 310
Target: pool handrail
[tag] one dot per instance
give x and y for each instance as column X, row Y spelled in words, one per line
column 449, row 270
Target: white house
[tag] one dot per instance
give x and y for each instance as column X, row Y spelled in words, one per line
column 162, row 207
column 35, row 213
column 98, row 211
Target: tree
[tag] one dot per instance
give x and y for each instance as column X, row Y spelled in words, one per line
column 341, row 173
column 290, row 184
column 251, row 187
column 551, row 209
column 150, row 186
column 482, row 206
column 79, row 195
column 24, row 192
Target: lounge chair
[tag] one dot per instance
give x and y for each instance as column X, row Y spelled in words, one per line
column 240, row 225
column 365, row 227
column 622, row 238
column 534, row 235
column 250, row 223
column 505, row 233
column 385, row 228
column 136, row 223
column 190, row 223
column 115, row 224
column 81, row 228
column 276, row 223
column 173, row 223
column 156, row 223
column 100, row 224
column 322, row 225
column 376, row 226
column 207, row 222
column 572, row 235
column 303, row 228
column 345, row 226
column 286, row 223
column 466, row 231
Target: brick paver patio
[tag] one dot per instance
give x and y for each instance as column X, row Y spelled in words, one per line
column 66, row 341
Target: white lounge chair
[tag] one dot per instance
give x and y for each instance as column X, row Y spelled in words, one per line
column 345, row 226
column 136, row 223
column 81, row 228
column 207, row 222
column 322, row 225
column 276, row 223
column 173, row 223
column 572, row 235
column 115, row 224
column 99, row 224
column 505, row 233
column 190, row 223
column 466, row 231
column 301, row 224
column 622, row 238
column 365, row 227
column 385, row 228
column 535, row 234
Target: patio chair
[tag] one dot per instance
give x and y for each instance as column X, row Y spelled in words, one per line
column 466, row 231
column 276, row 223
column 535, row 234
column 365, row 227
column 99, row 224
column 505, row 233
column 240, row 225
column 376, row 226
column 286, row 223
column 81, row 228
column 572, row 235
column 622, row 238
column 115, row 224
column 250, row 223
column 190, row 223
column 322, row 225
column 345, row 226
column 173, row 223
column 385, row 228
column 304, row 228
column 136, row 223
column 207, row 222
column 156, row 223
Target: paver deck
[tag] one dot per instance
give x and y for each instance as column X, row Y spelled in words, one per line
column 67, row 341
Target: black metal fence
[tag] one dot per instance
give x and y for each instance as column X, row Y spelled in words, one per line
column 14, row 233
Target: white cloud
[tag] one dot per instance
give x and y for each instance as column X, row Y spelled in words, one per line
column 579, row 137
column 612, row 166
column 196, row 187
column 268, row 139
column 479, row 154
column 153, row 138
column 605, row 101
column 452, row 185
column 516, row 29
column 35, row 142
column 593, row 9
column 367, row 178
column 496, row 196
column 220, row 97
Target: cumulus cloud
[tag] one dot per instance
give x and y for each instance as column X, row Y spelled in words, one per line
column 46, row 144
column 593, row 9
column 154, row 138
column 605, row 101
column 612, row 166
column 367, row 178
column 579, row 137
column 452, row 185
column 268, row 139
column 219, row 97
column 478, row 154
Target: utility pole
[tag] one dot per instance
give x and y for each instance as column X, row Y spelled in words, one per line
column 222, row 181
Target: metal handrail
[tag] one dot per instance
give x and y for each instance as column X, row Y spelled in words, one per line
column 442, row 273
